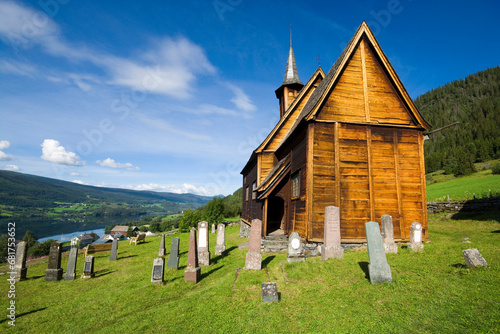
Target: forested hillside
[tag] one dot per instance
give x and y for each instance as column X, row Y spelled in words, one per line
column 475, row 103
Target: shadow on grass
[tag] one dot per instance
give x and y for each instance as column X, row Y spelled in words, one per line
column 103, row 272
column 22, row 314
column 126, row 257
column 479, row 209
column 203, row 275
column 364, row 267
column 267, row 260
column 224, row 254
column 459, row 266
column 35, row 277
column 497, row 231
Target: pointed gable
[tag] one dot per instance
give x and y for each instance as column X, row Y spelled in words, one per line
column 365, row 87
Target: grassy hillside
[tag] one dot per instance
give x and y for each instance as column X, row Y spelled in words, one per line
column 48, row 206
column 432, row 291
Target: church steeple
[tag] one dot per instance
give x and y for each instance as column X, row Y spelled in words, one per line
column 291, row 85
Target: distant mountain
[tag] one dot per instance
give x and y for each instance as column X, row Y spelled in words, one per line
column 474, row 102
column 43, row 204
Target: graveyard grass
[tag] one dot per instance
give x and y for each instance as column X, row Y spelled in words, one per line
column 433, row 291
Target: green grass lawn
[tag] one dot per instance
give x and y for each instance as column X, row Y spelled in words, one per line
column 433, row 291
column 463, row 188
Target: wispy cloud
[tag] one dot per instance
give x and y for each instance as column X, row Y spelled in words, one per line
column 113, row 164
column 13, row 168
column 4, row 156
column 182, row 189
column 53, row 151
column 241, row 100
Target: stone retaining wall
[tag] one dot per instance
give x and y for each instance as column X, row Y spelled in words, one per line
column 484, row 204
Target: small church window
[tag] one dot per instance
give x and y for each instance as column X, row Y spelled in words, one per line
column 295, row 185
column 246, row 193
column 254, row 190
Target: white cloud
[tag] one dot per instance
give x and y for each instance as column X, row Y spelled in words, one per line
column 111, row 163
column 54, row 152
column 184, row 188
column 11, row 168
column 4, row 156
column 80, row 182
column 15, row 67
column 241, row 100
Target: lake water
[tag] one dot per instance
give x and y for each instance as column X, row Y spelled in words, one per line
column 68, row 236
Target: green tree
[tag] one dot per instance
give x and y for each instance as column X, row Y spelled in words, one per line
column 154, row 227
column 130, row 232
column 41, row 248
column 30, row 238
column 213, row 211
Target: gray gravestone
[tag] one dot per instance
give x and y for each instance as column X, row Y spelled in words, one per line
column 193, row 270
column 331, row 244
column 73, row 256
column 269, row 292
column 473, row 258
column 161, row 251
column 220, row 247
column 203, row 246
column 295, row 248
column 88, row 267
column 158, row 270
column 378, row 268
column 213, row 228
column 114, row 250
column 388, row 235
column 253, row 260
column 20, row 263
column 54, row 271
column 173, row 258
column 415, row 243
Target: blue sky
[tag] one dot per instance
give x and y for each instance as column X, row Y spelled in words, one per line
column 174, row 95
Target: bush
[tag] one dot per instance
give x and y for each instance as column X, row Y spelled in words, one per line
column 496, row 168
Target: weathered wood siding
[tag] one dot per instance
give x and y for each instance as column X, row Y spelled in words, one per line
column 297, row 212
column 251, row 208
column 368, row 172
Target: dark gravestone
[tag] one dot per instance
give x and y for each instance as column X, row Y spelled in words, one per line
column 378, row 269
column 161, row 251
column 295, row 248
column 114, row 250
column 20, row 263
column 173, row 259
column 54, row 271
column 73, row 256
column 473, row 258
column 88, row 267
column 269, row 292
column 158, row 269
column 193, row 271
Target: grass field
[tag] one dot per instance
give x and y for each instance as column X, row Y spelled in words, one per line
column 433, row 291
column 464, row 188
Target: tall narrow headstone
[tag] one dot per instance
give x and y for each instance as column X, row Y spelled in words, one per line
column 220, row 247
column 295, row 248
column 253, row 259
column 158, row 270
column 20, row 263
column 203, row 250
column 173, row 258
column 88, row 267
column 213, row 228
column 378, row 268
column 473, row 258
column 415, row 243
column 331, row 244
column 114, row 250
column 73, row 256
column 192, row 272
column 54, row 271
column 388, row 235
column 161, row 251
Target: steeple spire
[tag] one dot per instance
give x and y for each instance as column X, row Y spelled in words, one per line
column 291, row 74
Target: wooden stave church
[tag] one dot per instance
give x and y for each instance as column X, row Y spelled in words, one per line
column 351, row 138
